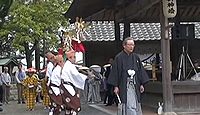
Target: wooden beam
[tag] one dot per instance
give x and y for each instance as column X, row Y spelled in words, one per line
column 192, row 10
column 134, row 9
column 83, row 8
column 96, row 14
column 129, row 12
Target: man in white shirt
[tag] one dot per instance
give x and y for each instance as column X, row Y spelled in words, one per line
column 20, row 76
column 1, row 92
column 6, row 79
column 1, row 88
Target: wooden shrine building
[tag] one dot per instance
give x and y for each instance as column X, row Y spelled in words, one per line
column 178, row 96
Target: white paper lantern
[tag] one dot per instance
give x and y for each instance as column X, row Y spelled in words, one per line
column 169, row 8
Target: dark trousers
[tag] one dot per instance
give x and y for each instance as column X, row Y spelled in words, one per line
column 110, row 95
column 6, row 93
column 1, row 93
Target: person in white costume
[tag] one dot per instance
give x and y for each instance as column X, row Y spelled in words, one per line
column 72, row 79
column 70, row 72
column 50, row 65
column 54, row 87
column 49, row 68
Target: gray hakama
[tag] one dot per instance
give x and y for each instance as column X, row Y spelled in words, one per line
column 132, row 105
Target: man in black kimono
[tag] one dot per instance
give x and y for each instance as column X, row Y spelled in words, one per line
column 128, row 77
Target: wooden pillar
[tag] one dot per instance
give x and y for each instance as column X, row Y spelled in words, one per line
column 117, row 31
column 126, row 29
column 166, row 64
column 117, row 36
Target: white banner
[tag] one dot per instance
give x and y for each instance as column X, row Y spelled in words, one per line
column 169, row 8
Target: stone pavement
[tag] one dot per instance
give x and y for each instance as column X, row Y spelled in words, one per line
column 20, row 109
column 87, row 109
column 112, row 110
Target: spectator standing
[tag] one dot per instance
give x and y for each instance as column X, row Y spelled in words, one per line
column 20, row 76
column 94, row 83
column 110, row 96
column 6, row 80
column 1, row 92
column 1, row 88
column 91, row 87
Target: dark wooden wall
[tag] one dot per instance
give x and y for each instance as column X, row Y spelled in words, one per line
column 98, row 52
column 186, row 95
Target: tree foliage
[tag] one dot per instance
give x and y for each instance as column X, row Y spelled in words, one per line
column 4, row 8
column 5, row 41
column 35, row 23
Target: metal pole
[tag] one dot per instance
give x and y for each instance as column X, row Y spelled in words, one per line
column 184, row 63
column 191, row 63
column 180, row 66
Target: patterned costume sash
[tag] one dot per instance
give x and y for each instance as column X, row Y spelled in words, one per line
column 56, row 99
column 71, row 102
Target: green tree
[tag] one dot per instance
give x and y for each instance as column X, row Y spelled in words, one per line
column 4, row 40
column 4, row 8
column 34, row 24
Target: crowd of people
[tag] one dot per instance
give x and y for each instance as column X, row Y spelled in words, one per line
column 60, row 85
column 33, row 86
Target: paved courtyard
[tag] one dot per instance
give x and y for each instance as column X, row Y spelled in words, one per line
column 87, row 109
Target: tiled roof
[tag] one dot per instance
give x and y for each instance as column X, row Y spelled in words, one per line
column 197, row 29
column 143, row 31
column 6, row 61
column 101, row 31
column 104, row 31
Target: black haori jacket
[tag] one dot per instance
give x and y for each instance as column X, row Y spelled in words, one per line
column 118, row 75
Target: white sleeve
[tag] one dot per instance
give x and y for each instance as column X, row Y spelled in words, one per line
column 3, row 79
column 49, row 70
column 77, row 78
